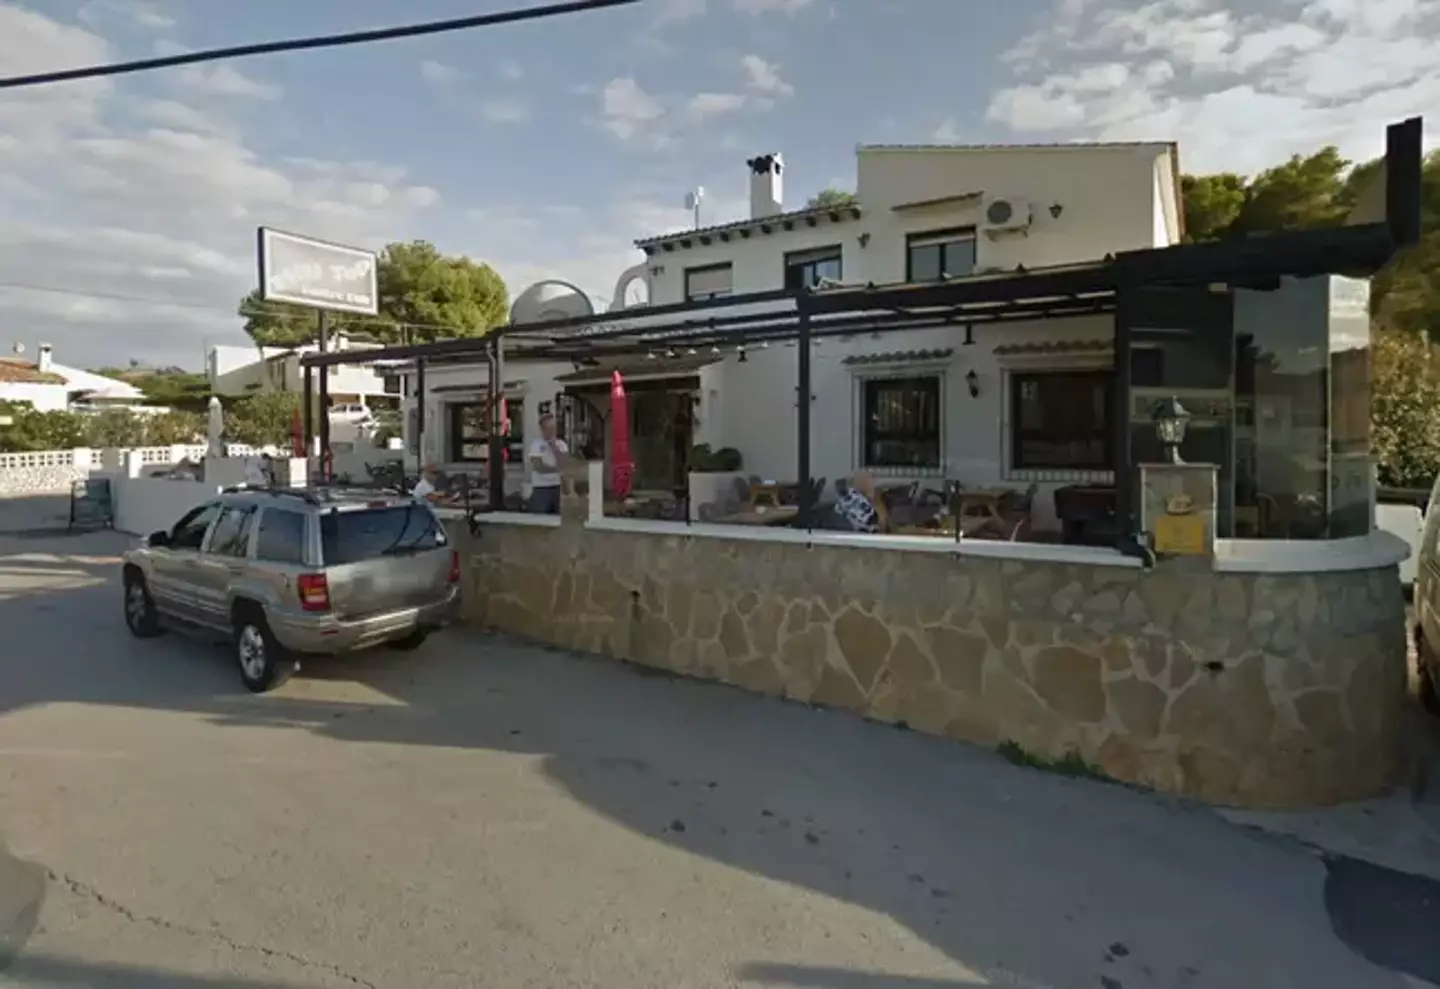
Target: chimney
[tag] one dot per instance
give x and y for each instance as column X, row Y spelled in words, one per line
column 766, row 186
column 43, row 361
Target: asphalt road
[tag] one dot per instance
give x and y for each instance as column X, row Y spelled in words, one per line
column 487, row 814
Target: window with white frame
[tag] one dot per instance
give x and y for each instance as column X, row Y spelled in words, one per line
column 1060, row 420
column 711, row 281
column 938, row 254
column 900, row 421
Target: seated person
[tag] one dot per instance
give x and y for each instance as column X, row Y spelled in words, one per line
column 425, row 489
column 857, row 504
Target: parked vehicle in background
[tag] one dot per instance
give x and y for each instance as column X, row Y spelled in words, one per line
column 357, row 413
column 287, row 573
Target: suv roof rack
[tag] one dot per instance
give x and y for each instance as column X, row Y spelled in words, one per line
column 307, row 496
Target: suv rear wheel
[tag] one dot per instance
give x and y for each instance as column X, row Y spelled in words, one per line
column 140, row 615
column 264, row 662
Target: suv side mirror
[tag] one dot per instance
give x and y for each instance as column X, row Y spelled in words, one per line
column 158, row 539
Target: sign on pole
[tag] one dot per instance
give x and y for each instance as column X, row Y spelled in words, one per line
column 318, row 274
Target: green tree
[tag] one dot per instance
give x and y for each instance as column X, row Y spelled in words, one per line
column 830, row 197
column 1211, row 202
column 440, row 296
column 29, row 430
column 1305, row 192
column 1405, row 408
column 262, row 419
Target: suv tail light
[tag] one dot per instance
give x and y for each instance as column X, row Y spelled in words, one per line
column 454, row 566
column 314, row 592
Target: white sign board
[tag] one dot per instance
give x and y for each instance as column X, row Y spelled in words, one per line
column 318, row 274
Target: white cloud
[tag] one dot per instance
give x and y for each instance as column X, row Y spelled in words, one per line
column 763, row 77
column 758, row 7
column 704, row 105
column 438, row 73
column 628, row 111
column 510, row 70
column 136, row 12
column 504, row 110
column 223, row 80
column 97, row 210
column 1241, row 86
column 947, row 133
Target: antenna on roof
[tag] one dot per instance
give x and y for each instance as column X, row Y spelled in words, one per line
column 693, row 201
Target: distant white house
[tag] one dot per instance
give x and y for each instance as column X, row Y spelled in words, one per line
column 53, row 387
column 235, row 371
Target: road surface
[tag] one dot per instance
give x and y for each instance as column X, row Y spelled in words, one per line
column 483, row 813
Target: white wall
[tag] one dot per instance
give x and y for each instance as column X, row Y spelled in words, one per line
column 45, row 398
column 147, row 504
column 1113, row 198
column 759, row 420
column 236, row 371
column 533, row 383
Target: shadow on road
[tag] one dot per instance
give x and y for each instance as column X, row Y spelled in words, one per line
column 1024, row 878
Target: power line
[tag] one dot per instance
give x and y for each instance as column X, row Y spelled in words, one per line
column 303, row 44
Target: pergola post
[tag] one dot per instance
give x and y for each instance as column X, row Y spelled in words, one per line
column 419, row 418
column 307, row 411
column 1120, row 400
column 496, row 473
column 802, row 419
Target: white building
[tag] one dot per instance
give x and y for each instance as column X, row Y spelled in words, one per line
column 234, row 372
column 53, row 387
column 932, row 403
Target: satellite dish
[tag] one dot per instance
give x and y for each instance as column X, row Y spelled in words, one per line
column 550, row 299
column 19, row 348
column 694, row 199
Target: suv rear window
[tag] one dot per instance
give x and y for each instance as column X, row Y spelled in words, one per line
column 352, row 537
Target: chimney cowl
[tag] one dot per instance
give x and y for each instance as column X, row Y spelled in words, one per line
column 44, row 357
column 766, row 185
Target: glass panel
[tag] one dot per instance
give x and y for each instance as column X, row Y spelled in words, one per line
column 960, row 257
column 1282, row 365
column 901, row 422
column 353, row 537
column 925, row 263
column 231, row 536
column 190, row 531
column 1060, row 420
column 1352, row 465
column 281, row 538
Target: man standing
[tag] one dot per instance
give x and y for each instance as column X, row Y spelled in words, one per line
column 547, row 457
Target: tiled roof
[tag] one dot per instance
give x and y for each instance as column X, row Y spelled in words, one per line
column 13, row 372
column 723, row 232
column 1055, row 347
column 901, row 356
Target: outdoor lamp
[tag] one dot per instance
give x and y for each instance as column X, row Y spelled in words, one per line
column 1171, row 420
column 972, row 381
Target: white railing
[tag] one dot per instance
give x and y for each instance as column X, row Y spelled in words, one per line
column 37, row 458
column 84, row 457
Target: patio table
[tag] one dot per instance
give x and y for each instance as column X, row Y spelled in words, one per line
column 760, row 515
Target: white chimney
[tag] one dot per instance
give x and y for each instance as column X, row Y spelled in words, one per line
column 766, row 186
column 43, row 361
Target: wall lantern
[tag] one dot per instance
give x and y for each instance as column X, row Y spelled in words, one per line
column 1171, row 420
column 972, row 381
column 1056, row 209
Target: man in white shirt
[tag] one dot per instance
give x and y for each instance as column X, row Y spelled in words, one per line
column 546, row 457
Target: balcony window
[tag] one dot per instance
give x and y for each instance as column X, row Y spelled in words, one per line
column 901, row 422
column 1060, row 420
column 929, row 257
column 712, row 281
column 804, row 269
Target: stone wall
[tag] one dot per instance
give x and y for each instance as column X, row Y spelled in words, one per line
column 37, row 479
column 1259, row 691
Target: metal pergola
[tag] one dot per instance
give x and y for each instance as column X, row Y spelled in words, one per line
column 1059, row 292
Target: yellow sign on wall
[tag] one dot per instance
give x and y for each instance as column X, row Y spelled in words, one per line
column 1181, row 535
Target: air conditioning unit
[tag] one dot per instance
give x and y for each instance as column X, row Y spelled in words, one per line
column 1005, row 215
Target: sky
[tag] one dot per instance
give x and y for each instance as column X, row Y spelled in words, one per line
column 545, row 149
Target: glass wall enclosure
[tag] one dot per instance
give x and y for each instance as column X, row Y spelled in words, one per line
column 1277, row 386
column 1302, row 395
column 1180, row 349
